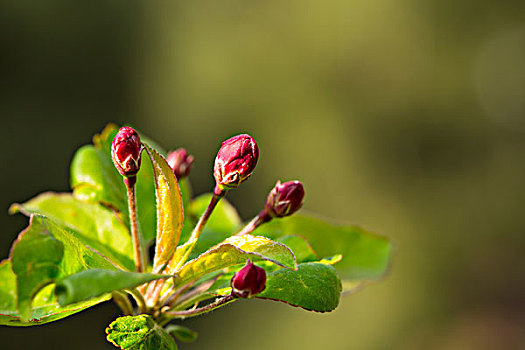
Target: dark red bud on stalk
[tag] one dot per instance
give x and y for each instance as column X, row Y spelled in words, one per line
column 285, row 199
column 250, row 280
column 125, row 151
column 235, row 162
column 180, row 161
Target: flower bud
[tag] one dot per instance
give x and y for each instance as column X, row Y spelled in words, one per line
column 285, row 199
column 235, row 161
column 248, row 281
column 125, row 151
column 180, row 161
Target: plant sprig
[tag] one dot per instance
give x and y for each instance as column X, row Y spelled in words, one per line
column 91, row 245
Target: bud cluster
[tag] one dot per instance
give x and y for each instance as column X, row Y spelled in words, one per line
column 234, row 164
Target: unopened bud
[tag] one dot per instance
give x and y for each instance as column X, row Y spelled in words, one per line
column 235, row 161
column 125, row 151
column 180, row 161
column 285, row 199
column 248, row 281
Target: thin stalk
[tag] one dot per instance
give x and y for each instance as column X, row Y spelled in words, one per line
column 170, row 300
column 135, row 238
column 257, row 221
column 205, row 216
column 169, row 294
column 200, row 226
column 154, row 297
column 123, row 302
column 151, row 289
column 186, row 301
column 198, row 311
column 139, row 299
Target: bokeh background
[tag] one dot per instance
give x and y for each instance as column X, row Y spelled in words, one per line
column 406, row 117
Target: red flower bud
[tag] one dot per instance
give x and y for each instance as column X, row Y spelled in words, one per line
column 285, row 199
column 125, row 151
column 235, row 161
column 180, row 161
column 250, row 280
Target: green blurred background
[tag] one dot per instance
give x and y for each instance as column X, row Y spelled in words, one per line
column 406, row 117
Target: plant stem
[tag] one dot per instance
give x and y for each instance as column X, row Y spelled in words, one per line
column 139, row 299
column 123, row 302
column 153, row 295
column 257, row 221
column 195, row 312
column 205, row 216
column 132, row 205
column 169, row 300
column 200, row 226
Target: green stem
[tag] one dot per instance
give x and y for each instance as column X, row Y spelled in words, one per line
column 200, row 227
column 170, row 298
column 139, row 299
column 198, row 311
column 257, row 221
column 154, row 297
column 137, row 247
column 123, row 302
column 215, row 198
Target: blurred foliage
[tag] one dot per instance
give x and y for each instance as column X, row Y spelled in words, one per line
column 407, row 117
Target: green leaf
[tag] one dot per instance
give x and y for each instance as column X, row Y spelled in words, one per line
column 45, row 307
column 95, row 282
column 314, row 287
column 45, row 252
column 233, row 251
column 7, row 287
column 184, row 334
column 300, row 247
column 139, row 333
column 223, row 222
column 93, row 224
column 35, row 259
column 169, row 210
column 95, row 179
column 365, row 255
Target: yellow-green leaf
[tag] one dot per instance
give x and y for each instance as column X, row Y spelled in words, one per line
column 233, row 251
column 169, row 210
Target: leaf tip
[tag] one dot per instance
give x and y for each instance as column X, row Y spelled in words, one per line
column 14, row 208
